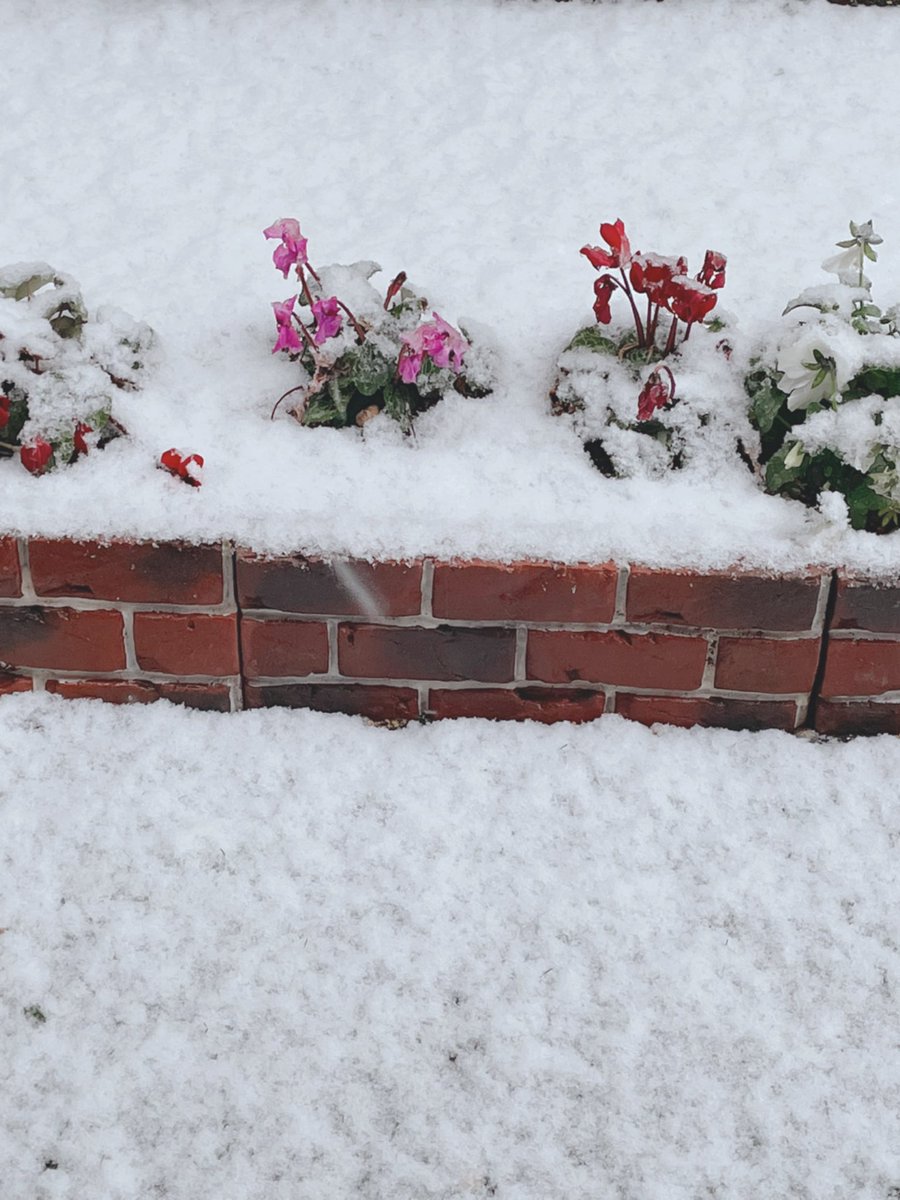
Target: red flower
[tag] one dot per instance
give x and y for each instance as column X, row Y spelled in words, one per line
column 651, row 275
column 619, row 253
column 690, row 300
column 81, row 446
column 656, row 393
column 603, row 289
column 713, row 271
column 36, row 456
column 4, row 411
column 177, row 463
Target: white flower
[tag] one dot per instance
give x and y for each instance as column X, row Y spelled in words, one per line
column 810, row 369
column 794, row 456
column 846, row 266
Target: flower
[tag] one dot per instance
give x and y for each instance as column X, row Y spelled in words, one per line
column 651, row 275
column 689, row 300
column 656, row 393
column 603, row 289
column 712, row 273
column 81, row 445
column 810, row 370
column 293, row 244
column 328, row 319
column 185, row 466
column 849, row 266
column 36, row 456
column 4, row 411
column 437, row 340
column 619, row 253
column 287, row 334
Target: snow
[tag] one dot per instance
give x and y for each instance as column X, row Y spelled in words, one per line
column 290, row 954
column 477, row 144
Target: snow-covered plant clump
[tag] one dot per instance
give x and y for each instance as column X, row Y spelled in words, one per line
column 825, row 394
column 361, row 352
column 624, row 400
column 60, row 367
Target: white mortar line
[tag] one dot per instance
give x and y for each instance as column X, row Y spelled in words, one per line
column 28, row 596
column 131, row 662
column 621, row 594
column 333, row 666
column 427, row 586
column 709, row 668
column 519, row 667
column 825, row 584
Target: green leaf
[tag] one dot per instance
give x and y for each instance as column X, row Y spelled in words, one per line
column 321, row 411
column 370, row 370
column 593, row 339
column 397, row 404
column 27, row 287
column 861, row 501
column 767, row 403
column 778, row 476
column 869, row 252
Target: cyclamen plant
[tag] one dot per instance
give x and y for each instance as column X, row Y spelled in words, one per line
column 377, row 356
column 826, row 398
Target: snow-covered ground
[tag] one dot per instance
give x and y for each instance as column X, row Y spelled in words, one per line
column 290, row 955
column 477, row 144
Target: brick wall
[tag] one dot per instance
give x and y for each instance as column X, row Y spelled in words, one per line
column 217, row 628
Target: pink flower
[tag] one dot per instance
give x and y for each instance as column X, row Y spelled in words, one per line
column 656, row 393
column 689, row 300
column 287, row 334
column 603, row 289
column 293, row 244
column 619, row 253
column 437, row 340
column 712, row 272
column 185, row 466
column 36, row 456
column 409, row 363
column 328, row 319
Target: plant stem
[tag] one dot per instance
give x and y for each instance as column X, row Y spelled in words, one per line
column 639, row 328
column 357, row 328
column 670, row 340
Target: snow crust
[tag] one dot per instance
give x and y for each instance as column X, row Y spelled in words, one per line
column 423, row 136
column 291, row 955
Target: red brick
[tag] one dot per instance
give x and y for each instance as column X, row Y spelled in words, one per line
column 63, row 639
column 717, row 712
column 767, row 664
column 718, row 600
column 409, row 652
column 861, row 667
column 865, row 717
column 283, row 647
column 10, row 575
column 378, row 703
column 186, row 643
column 866, row 606
column 344, row 588
column 14, row 683
column 213, row 697
column 140, row 572
column 477, row 591
column 653, row 660
column 519, row 704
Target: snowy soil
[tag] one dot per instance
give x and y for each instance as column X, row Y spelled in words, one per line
column 477, row 144
column 291, row 955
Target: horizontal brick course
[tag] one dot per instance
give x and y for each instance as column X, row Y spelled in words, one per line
column 718, row 600
column 377, row 702
column 865, row 606
column 10, row 575
column 772, row 665
column 541, row 592
column 63, row 639
column 655, row 660
column 346, row 588
column 13, row 683
column 141, row 573
column 212, row 697
column 186, row 643
column 718, row 712
column 866, row 717
column 411, row 652
column 273, row 647
column 861, row 667
column 521, row 704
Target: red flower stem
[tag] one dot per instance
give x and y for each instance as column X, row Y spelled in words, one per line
column 357, row 328
column 311, row 270
column 670, row 341
column 687, row 332
column 663, row 367
column 304, row 286
column 313, row 348
column 299, row 388
column 639, row 328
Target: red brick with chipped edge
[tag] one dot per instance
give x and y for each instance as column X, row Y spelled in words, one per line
column 519, row 704
column 212, row 697
column 860, row 605
column 186, row 643
column 306, row 585
column 717, row 712
column 273, row 647
column 767, row 664
column 861, row 667
column 14, row 683
column 377, row 702
column 410, row 652
column 479, row 591
column 137, row 572
column 63, row 639
column 866, row 717
column 717, row 600
column 10, row 574
column 651, row 660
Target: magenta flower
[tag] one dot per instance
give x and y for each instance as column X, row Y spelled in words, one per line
column 410, row 362
column 293, row 244
column 437, row 340
column 287, row 334
column 328, row 319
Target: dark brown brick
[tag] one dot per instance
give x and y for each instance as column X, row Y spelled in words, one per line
column 186, row 643
column 273, row 647
column 14, row 683
column 716, row 712
column 650, row 660
column 378, row 703
column 718, row 600
column 138, row 572
column 61, row 639
column 541, row 592
column 865, row 606
column 212, row 697
column 519, row 704
column 10, row 575
column 861, row 667
column 776, row 666
column 409, row 652
column 866, row 717
column 344, row 588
